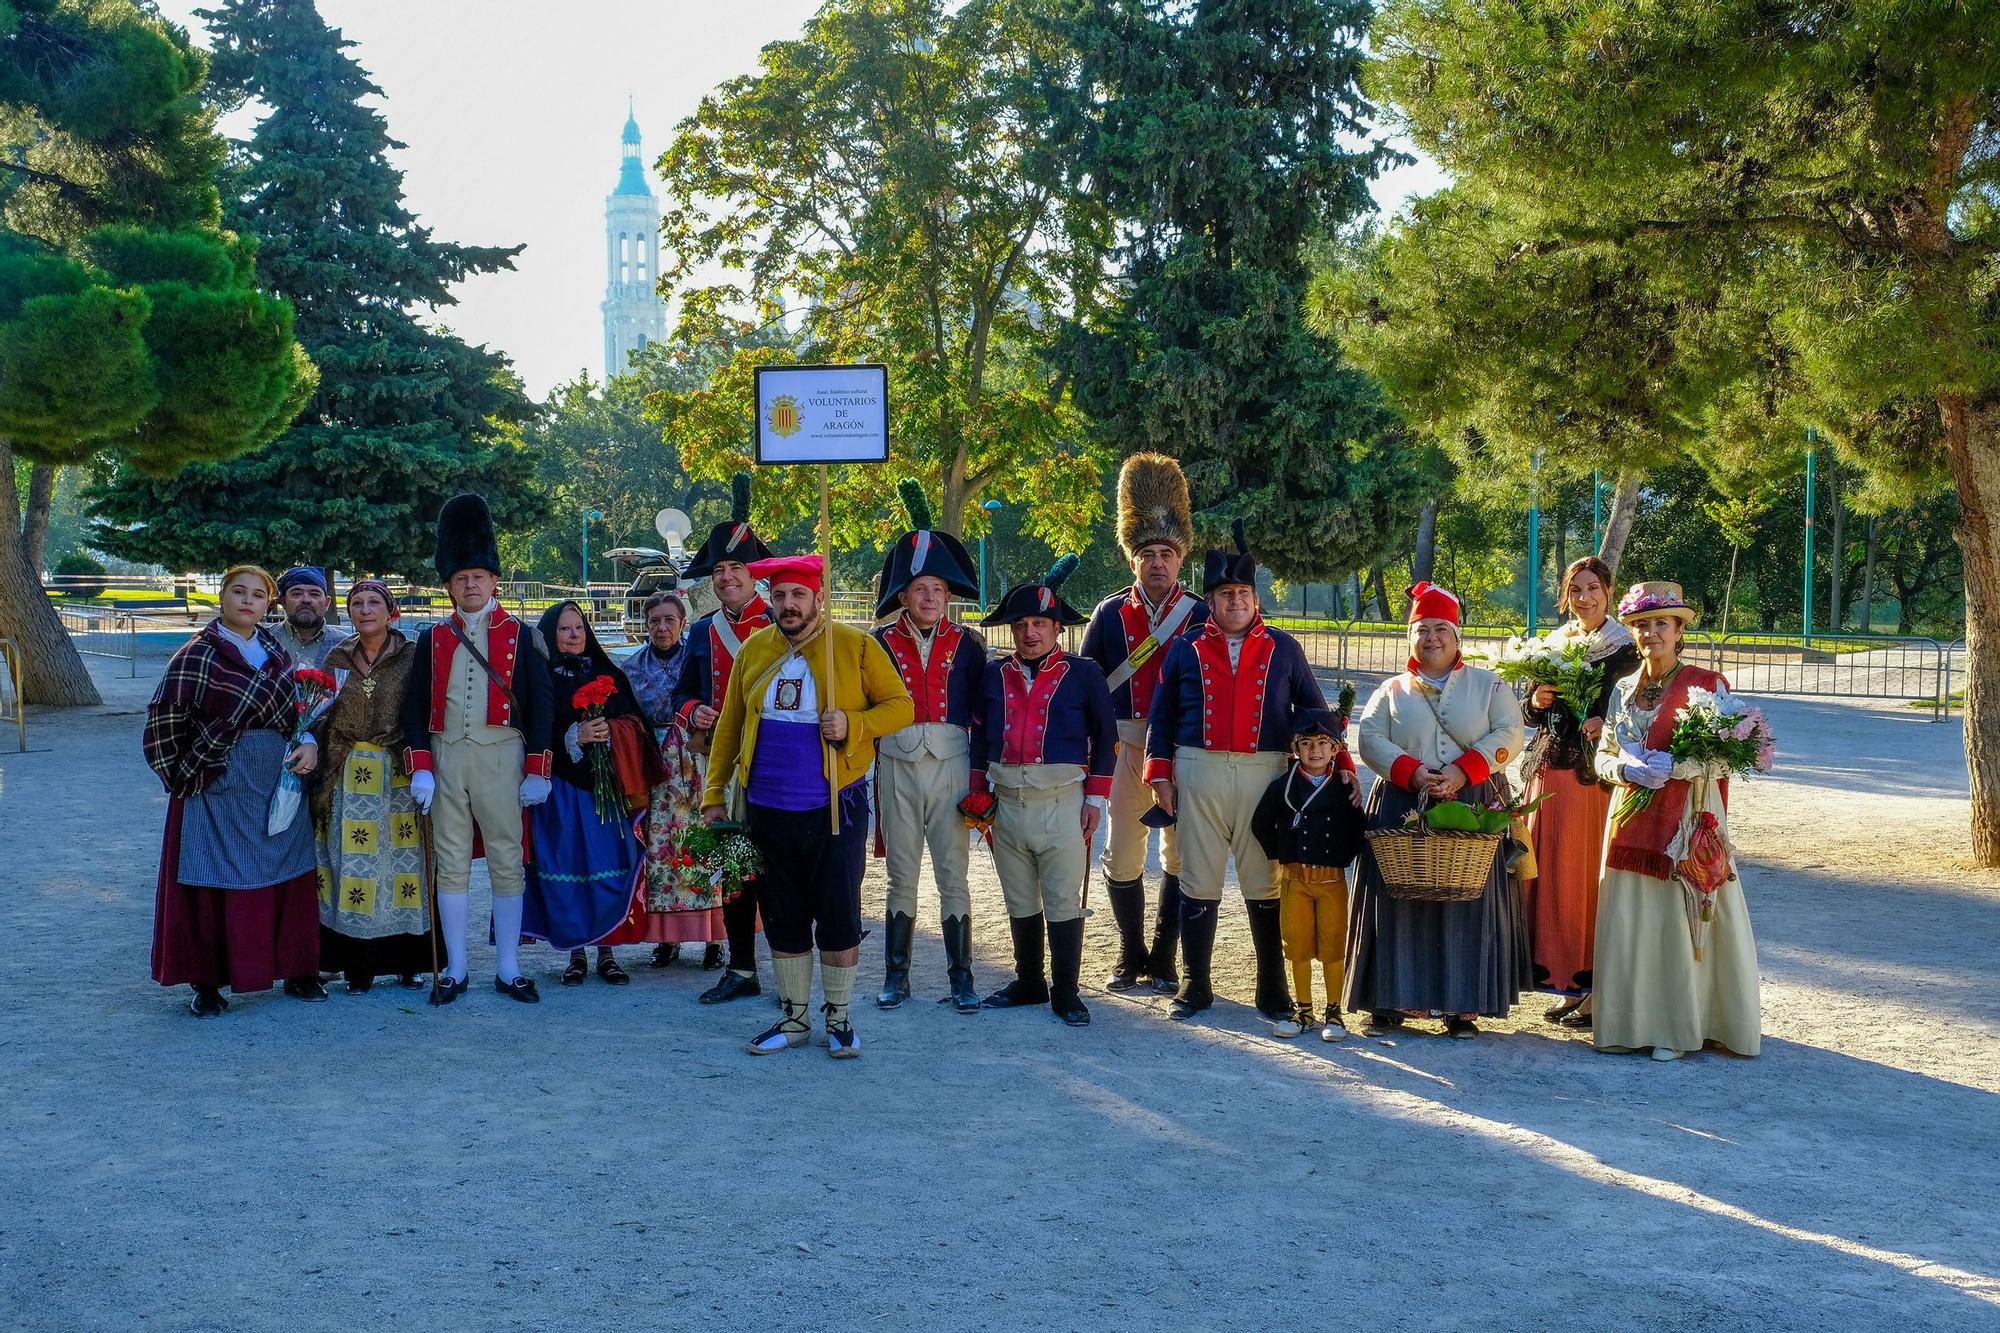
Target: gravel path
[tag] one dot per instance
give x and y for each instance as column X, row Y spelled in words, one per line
column 612, row 1158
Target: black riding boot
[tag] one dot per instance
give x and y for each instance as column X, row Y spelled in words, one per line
column 958, row 960
column 1198, row 953
column 1128, row 909
column 1065, row 967
column 1028, row 986
column 901, row 931
column 1274, row 992
column 739, row 921
column 1166, row 937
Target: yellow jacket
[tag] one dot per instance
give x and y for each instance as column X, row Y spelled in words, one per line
column 867, row 687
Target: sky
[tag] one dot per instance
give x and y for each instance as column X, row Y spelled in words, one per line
column 512, row 124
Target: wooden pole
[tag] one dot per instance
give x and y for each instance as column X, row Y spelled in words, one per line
column 826, row 633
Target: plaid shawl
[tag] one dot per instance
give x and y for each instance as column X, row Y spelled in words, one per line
column 208, row 698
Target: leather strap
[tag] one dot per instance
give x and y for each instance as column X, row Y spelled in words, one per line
column 1142, row 651
column 513, row 704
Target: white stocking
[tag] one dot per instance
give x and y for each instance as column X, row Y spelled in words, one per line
column 507, row 937
column 451, row 920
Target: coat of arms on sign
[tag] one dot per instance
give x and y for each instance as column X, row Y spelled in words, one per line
column 784, row 418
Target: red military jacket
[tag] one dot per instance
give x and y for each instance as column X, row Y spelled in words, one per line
column 423, row 711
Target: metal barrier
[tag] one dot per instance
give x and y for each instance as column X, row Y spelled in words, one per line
column 12, row 708
column 99, row 631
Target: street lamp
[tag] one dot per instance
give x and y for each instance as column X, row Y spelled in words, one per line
column 991, row 507
column 590, row 516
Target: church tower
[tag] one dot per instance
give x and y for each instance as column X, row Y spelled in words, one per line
column 633, row 312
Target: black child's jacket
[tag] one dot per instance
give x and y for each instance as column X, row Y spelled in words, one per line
column 1329, row 827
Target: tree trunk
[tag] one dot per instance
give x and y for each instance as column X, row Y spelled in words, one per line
column 1381, row 593
column 1729, row 591
column 1836, row 612
column 1425, row 560
column 35, row 517
column 1868, row 574
column 52, row 672
column 1618, row 523
column 1972, row 441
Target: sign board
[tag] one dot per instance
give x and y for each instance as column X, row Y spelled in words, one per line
column 822, row 414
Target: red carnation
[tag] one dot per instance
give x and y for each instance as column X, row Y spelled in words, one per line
column 594, row 693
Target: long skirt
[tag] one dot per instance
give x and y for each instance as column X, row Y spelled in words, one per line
column 240, row 938
column 1417, row 957
column 374, row 899
column 1651, row 989
column 1567, row 833
column 682, row 906
column 583, row 884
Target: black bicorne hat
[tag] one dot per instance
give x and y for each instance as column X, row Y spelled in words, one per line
column 923, row 550
column 1226, row 567
column 732, row 540
column 465, row 537
column 1040, row 597
column 1320, row 722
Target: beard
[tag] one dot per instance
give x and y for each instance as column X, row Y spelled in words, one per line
column 304, row 618
column 790, row 622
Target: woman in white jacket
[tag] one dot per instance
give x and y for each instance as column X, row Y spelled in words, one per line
column 1445, row 730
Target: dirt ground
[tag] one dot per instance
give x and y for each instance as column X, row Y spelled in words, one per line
column 612, row 1158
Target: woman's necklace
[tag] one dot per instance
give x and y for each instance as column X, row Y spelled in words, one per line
column 1651, row 692
column 364, row 662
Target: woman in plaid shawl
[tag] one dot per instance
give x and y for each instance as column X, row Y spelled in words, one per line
column 234, row 907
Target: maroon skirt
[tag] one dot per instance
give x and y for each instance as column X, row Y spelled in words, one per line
column 240, row 938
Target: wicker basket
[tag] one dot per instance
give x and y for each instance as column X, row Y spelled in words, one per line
column 1434, row 865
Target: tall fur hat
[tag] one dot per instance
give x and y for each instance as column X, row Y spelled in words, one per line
column 1153, row 504
column 465, row 537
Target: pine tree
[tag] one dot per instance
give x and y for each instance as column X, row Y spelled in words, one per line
column 130, row 324
column 1215, row 132
column 406, row 415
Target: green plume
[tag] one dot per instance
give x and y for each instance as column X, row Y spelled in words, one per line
column 739, row 498
column 1346, row 708
column 1059, row 573
column 919, row 509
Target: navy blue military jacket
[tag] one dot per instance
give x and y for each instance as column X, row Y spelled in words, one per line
column 1062, row 715
column 710, row 657
column 1205, row 703
column 947, row 688
column 1123, row 624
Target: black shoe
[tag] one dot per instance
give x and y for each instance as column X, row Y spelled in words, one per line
column 446, row 989
column 308, row 989
column 666, row 955
column 578, row 969
column 1029, row 986
column 607, row 967
column 1166, row 938
column 1461, row 1029
column 1274, row 992
column 1128, row 908
column 520, row 988
column 1196, row 992
column 1563, row 1010
column 409, row 981
column 358, row 984
column 896, row 940
column 207, row 1002
column 1384, row 1020
column 1579, row 1021
column 711, row 958
column 1065, row 966
column 733, row 986
column 958, row 964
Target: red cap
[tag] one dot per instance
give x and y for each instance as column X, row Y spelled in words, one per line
column 804, row 570
column 1430, row 602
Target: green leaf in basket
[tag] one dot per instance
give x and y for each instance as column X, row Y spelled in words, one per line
column 1453, row 817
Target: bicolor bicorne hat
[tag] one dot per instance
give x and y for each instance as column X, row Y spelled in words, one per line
column 1226, row 567
column 1039, row 597
column 465, row 537
column 924, row 549
column 732, row 540
column 1659, row 598
column 1153, row 507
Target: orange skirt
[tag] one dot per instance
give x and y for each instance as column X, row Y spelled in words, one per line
column 1568, row 837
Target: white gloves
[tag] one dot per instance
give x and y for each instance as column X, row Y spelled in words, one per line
column 423, row 787
column 1646, row 768
column 534, row 790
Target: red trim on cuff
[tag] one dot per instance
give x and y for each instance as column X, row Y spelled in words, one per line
column 1096, row 786
column 536, row 765
column 1473, row 764
column 1344, row 762
column 1403, row 770
column 417, row 761
column 977, row 780
column 685, row 713
column 1159, row 770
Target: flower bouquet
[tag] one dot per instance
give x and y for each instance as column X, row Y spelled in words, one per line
column 724, row 853
column 312, row 695
column 590, row 700
column 1562, row 665
column 1716, row 735
column 977, row 812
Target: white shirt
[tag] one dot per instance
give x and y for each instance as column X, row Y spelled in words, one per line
column 793, row 680
column 254, row 652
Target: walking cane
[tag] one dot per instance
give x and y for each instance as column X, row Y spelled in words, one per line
column 1086, row 879
column 430, row 882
